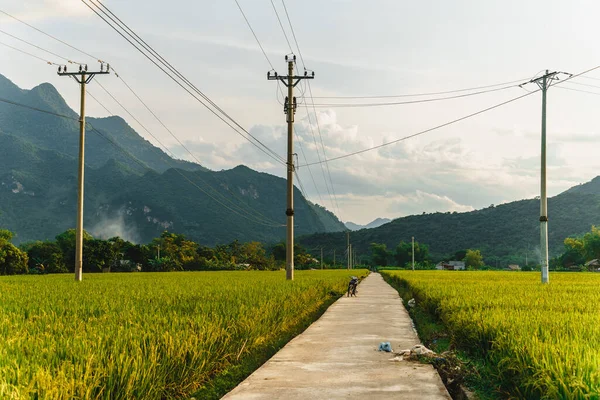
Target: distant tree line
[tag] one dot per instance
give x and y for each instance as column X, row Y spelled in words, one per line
column 579, row 252
column 169, row 252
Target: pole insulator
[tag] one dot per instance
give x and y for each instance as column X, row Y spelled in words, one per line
column 289, row 212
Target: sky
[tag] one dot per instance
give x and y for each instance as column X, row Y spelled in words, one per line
column 356, row 48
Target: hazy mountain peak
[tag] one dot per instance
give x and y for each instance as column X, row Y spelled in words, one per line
column 373, row 224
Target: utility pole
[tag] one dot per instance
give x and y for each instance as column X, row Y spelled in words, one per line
column 544, row 83
column 321, row 257
column 289, row 108
column 83, row 77
column 334, row 258
column 348, row 247
column 158, row 251
column 350, row 255
column 413, row 253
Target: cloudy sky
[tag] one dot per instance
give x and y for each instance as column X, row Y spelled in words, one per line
column 356, row 48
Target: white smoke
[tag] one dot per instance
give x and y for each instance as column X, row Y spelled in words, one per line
column 115, row 226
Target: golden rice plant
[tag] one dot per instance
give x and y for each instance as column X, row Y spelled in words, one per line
column 146, row 336
column 542, row 340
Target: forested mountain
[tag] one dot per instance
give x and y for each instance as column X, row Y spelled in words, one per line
column 136, row 199
column 504, row 233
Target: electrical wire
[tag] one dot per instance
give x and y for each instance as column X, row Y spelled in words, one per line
column 277, row 92
column 133, row 157
column 182, row 145
column 338, row 105
column 584, row 84
column 422, row 94
column 40, row 48
column 431, row 129
column 29, row 54
column 579, row 90
column 99, row 133
column 173, row 156
column 315, row 111
column 98, row 101
column 281, row 25
column 159, row 59
column 255, row 37
column 260, row 219
column 50, row 36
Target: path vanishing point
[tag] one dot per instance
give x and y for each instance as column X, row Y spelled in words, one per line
column 337, row 357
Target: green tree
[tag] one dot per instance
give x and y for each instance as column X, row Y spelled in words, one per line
column 66, row 242
column 403, row 254
column 180, row 251
column 473, row 259
column 12, row 259
column 6, row 235
column 379, row 254
column 253, row 253
column 45, row 257
column 574, row 253
column 591, row 244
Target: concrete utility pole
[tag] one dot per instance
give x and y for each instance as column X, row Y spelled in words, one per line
column 83, row 77
column 321, row 258
column 289, row 108
column 348, row 247
column 350, row 255
column 413, row 253
column 544, row 82
column 334, row 258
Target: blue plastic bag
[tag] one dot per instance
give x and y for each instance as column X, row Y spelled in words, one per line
column 385, row 346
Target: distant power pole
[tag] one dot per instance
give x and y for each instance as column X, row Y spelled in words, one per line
column 321, row 257
column 350, row 255
column 83, row 77
column 413, row 253
column 544, row 83
column 334, row 258
column 289, row 108
column 348, row 247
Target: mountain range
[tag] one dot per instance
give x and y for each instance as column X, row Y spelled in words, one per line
column 132, row 188
column 373, row 224
column 506, row 233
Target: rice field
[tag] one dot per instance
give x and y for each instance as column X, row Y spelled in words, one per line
column 542, row 341
column 148, row 335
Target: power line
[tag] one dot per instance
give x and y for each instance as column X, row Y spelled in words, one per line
column 282, row 29
column 129, row 32
column 50, row 36
column 315, row 111
column 180, row 143
column 255, row 37
column 131, row 115
column 277, row 91
column 29, row 54
column 579, row 90
column 132, row 156
column 40, row 48
column 99, row 133
column 420, row 94
column 461, row 118
column 258, row 219
column 414, row 101
column 431, row 129
column 584, row 84
column 99, row 102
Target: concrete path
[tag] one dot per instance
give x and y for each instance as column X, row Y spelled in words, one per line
column 337, row 357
